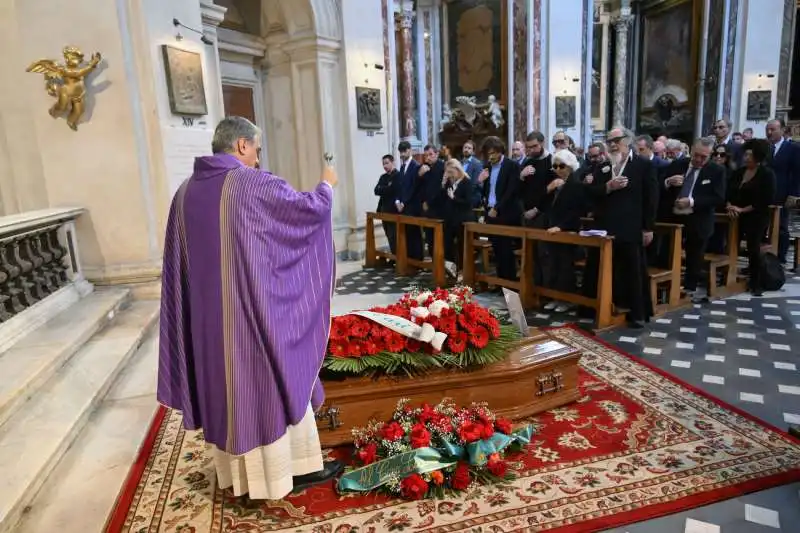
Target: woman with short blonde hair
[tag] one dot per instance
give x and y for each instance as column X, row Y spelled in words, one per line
column 458, row 210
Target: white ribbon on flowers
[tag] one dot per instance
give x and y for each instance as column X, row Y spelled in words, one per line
column 424, row 333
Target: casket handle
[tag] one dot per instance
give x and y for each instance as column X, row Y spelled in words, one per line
column 331, row 414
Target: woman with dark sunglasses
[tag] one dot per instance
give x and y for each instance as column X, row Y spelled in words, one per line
column 721, row 156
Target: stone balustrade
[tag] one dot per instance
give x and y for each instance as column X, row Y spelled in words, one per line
column 38, row 258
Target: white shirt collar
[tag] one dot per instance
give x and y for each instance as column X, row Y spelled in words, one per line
column 778, row 145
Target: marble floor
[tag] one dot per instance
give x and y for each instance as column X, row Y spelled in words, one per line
column 743, row 351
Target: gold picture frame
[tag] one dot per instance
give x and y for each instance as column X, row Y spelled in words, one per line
column 184, row 72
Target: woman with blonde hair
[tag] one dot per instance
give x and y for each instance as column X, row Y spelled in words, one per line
column 457, row 211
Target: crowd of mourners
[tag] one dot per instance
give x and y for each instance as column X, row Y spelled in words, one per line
column 621, row 187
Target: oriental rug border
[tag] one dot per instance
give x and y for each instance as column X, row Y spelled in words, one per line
column 685, row 448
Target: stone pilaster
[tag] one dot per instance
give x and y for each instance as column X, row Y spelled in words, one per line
column 212, row 16
column 404, row 21
column 622, row 23
column 785, row 66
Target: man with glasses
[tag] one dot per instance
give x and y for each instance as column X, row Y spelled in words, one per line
column 536, row 175
column 625, row 200
column 695, row 187
column 722, row 136
column 560, row 141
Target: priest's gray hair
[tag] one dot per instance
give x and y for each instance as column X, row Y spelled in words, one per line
column 706, row 142
column 230, row 130
column 568, row 158
column 673, row 144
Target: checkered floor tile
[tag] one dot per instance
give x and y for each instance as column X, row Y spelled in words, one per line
column 744, row 351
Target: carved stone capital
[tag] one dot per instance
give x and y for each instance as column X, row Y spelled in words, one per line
column 622, row 22
column 404, row 20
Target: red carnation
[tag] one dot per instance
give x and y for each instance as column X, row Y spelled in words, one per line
column 461, row 477
column 413, row 487
column 413, row 345
column 395, row 343
column 479, row 337
column 420, row 436
column 368, row 454
column 392, row 431
column 338, row 329
column 486, row 431
column 503, row 425
column 371, row 347
column 470, row 432
column 427, row 414
column 494, row 328
column 359, row 329
column 355, row 349
column 339, row 348
column 457, row 342
column 497, row 467
column 447, row 324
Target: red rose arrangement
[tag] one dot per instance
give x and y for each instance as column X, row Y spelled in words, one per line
column 474, row 335
column 433, row 426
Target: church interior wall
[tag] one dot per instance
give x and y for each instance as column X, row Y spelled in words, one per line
column 104, row 166
column 760, row 44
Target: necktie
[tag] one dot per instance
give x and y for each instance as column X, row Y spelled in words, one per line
column 403, row 170
column 774, row 149
column 688, row 183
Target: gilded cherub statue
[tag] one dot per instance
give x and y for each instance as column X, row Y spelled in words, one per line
column 65, row 82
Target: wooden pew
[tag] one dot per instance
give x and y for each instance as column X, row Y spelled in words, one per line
column 729, row 261
column 774, row 227
column 529, row 293
column 670, row 276
column 402, row 263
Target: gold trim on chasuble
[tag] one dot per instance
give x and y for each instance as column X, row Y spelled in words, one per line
column 227, row 285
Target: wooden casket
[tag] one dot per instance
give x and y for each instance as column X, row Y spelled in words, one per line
column 540, row 374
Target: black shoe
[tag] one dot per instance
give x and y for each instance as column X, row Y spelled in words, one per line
column 636, row 324
column 757, row 293
column 330, row 470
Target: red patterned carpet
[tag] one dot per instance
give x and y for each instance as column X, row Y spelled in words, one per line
column 638, row 444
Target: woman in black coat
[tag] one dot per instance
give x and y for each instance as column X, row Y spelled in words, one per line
column 752, row 192
column 457, row 210
column 566, row 199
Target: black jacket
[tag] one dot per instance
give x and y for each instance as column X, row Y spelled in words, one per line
column 534, row 187
column 628, row 212
column 432, row 192
column 567, row 204
column 388, row 190
column 709, row 194
column 509, row 204
column 458, row 209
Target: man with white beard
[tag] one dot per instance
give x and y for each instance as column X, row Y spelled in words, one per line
column 625, row 202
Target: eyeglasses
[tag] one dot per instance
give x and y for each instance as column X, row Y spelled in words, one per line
column 559, row 166
column 559, row 141
column 720, row 154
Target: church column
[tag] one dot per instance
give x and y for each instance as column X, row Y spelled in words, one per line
column 212, row 15
column 787, row 46
column 408, row 120
column 621, row 23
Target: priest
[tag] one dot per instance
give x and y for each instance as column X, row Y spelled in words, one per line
column 245, row 313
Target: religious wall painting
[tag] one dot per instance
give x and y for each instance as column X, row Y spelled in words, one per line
column 669, row 68
column 759, row 105
column 565, row 112
column 476, row 38
column 184, row 70
column 600, row 70
column 368, row 108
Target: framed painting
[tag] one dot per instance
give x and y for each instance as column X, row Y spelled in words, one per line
column 368, row 108
column 759, row 105
column 184, row 71
column 565, row 112
column 475, row 54
column 669, row 57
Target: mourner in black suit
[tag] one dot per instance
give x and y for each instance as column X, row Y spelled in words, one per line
column 566, row 194
column 784, row 159
column 695, row 187
column 387, row 192
column 431, row 174
column 536, row 174
column 457, row 210
column 724, row 136
column 625, row 201
column 501, row 201
column 751, row 193
column 473, row 167
column 410, row 201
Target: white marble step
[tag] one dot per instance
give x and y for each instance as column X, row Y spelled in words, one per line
column 33, row 359
column 35, row 438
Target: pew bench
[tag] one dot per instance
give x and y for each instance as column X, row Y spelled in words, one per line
column 796, row 248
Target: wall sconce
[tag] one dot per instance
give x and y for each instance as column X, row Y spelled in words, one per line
column 178, row 37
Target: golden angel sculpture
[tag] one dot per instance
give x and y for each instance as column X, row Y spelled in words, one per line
column 65, row 82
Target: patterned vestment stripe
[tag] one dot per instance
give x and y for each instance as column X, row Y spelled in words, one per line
column 227, row 284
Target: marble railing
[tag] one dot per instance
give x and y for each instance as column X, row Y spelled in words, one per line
column 38, row 257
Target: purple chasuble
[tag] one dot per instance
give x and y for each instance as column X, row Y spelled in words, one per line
column 245, row 303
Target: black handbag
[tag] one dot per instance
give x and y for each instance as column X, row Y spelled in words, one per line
column 772, row 274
